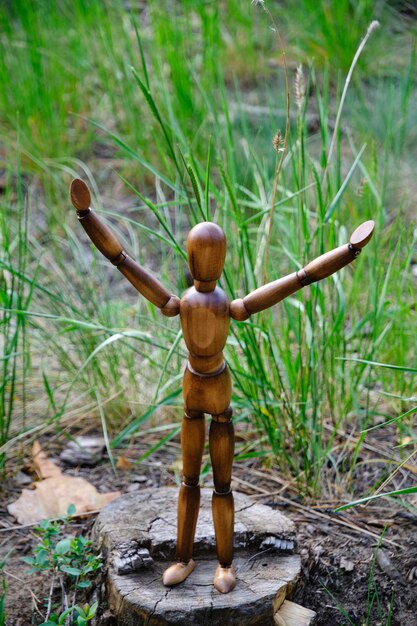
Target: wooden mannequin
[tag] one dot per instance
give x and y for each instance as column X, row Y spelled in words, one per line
column 205, row 313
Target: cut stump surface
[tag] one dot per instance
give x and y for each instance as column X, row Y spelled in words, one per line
column 137, row 533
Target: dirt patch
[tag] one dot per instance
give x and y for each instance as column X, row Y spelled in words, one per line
column 346, row 576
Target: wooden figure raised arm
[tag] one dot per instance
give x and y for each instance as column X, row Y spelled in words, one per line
column 105, row 241
column 205, row 313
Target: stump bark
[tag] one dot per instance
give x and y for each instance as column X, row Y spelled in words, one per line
column 137, row 533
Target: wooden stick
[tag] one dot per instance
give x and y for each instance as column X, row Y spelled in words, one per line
column 292, row 614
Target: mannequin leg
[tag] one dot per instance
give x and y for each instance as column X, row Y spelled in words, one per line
column 222, row 443
column 192, row 445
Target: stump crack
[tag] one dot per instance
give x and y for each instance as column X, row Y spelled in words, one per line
column 245, row 508
column 152, row 581
column 157, row 519
column 246, row 585
column 164, row 597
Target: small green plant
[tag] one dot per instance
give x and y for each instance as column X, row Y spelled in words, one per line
column 80, row 616
column 70, row 562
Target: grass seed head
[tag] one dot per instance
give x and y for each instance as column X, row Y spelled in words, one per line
column 278, row 141
column 299, row 87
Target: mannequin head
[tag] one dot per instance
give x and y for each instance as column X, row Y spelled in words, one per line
column 206, row 249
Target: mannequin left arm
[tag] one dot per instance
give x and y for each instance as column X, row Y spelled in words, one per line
column 322, row 267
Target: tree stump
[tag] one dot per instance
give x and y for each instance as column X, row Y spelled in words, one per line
column 136, row 534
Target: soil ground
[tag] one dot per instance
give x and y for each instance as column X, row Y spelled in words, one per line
column 345, row 574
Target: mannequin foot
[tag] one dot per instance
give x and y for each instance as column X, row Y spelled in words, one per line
column 177, row 573
column 225, row 578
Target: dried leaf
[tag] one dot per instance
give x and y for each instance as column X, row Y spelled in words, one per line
column 45, row 468
column 123, row 463
column 53, row 495
column 27, row 509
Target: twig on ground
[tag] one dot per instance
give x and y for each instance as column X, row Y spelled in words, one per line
column 336, row 520
column 55, row 519
column 51, row 593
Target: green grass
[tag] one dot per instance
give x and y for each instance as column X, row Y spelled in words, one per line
column 313, row 32
column 15, row 295
column 177, row 129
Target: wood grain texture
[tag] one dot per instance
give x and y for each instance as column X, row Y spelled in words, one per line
column 172, row 307
column 292, row 614
column 362, row 235
column 148, row 518
column 145, row 283
column 272, row 293
column 206, row 250
column 327, row 264
column 101, row 236
column 209, row 395
column 206, row 364
column 188, row 508
column 225, row 578
column 177, row 573
column 138, row 599
column 80, row 195
column 224, row 520
column 222, row 447
column 205, row 321
column 238, row 311
column 193, row 433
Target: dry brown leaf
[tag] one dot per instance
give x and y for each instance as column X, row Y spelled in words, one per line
column 27, row 509
column 45, row 468
column 53, row 495
column 123, row 463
